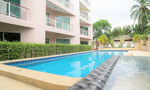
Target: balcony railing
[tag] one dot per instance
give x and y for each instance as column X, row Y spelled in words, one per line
column 14, row 10
column 86, row 1
column 82, row 14
column 52, row 22
column 66, row 3
column 84, row 32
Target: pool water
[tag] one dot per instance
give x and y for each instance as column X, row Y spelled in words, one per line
column 77, row 65
column 130, row 73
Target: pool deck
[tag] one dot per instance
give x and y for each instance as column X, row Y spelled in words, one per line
column 12, row 84
column 138, row 53
column 20, row 77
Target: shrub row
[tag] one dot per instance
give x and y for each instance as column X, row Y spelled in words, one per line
column 19, row 50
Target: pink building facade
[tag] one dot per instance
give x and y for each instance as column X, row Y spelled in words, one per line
column 46, row 21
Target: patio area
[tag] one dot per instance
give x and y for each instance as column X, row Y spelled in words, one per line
column 15, row 84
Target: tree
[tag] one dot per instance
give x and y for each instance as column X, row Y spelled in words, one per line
column 147, row 30
column 128, row 29
column 141, row 11
column 116, row 31
column 99, row 28
column 103, row 39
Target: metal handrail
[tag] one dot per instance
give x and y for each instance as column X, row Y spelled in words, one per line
column 16, row 4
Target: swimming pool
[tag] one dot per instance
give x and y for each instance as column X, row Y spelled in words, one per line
column 75, row 65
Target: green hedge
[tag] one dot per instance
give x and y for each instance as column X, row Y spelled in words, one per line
column 19, row 50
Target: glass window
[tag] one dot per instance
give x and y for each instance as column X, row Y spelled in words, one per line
column 47, row 18
column 1, row 36
column 66, row 41
column 63, row 23
column 84, row 42
column 12, row 36
column 47, row 40
column 63, row 41
column 66, row 25
column 59, row 40
column 85, row 13
column 83, row 27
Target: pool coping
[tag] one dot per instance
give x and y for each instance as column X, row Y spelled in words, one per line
column 36, row 78
column 39, row 79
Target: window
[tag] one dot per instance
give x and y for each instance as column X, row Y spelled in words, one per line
column 1, row 36
column 9, row 36
column 85, row 13
column 85, row 30
column 63, row 23
column 83, row 27
column 84, row 42
column 63, row 41
column 47, row 18
column 46, row 40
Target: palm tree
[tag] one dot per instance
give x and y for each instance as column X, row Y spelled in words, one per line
column 116, row 31
column 141, row 11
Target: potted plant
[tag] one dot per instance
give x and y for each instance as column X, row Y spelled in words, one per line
column 103, row 40
column 144, row 38
column 137, row 39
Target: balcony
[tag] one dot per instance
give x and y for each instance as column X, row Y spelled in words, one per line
column 66, row 4
column 87, row 3
column 84, row 32
column 14, row 10
column 82, row 14
column 55, row 23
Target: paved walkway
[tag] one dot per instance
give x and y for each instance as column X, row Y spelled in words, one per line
column 7, row 83
column 138, row 53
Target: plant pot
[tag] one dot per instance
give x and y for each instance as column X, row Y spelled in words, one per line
column 138, row 46
column 144, row 48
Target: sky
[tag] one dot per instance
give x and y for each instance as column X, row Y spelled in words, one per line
column 117, row 12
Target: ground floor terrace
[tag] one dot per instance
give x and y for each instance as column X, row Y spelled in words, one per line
column 50, row 35
column 19, row 83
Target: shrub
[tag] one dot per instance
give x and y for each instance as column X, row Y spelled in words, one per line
column 120, row 46
column 19, row 50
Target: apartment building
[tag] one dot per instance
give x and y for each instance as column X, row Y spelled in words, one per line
column 46, row 21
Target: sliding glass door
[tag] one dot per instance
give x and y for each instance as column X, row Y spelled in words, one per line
column 63, row 23
column 63, row 41
column 10, row 36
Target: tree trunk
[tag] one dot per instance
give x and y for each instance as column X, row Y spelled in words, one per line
column 96, row 45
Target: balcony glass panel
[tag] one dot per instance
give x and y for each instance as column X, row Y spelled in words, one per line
column 14, row 9
column 59, row 22
column 66, row 3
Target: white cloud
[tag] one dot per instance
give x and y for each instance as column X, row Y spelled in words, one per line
column 117, row 12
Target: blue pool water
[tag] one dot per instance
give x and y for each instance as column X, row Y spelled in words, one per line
column 76, row 65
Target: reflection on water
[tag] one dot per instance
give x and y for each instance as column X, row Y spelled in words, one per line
column 130, row 73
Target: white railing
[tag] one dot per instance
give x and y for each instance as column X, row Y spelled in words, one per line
column 66, row 3
column 14, row 10
column 52, row 22
column 84, row 32
column 86, row 1
column 82, row 14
